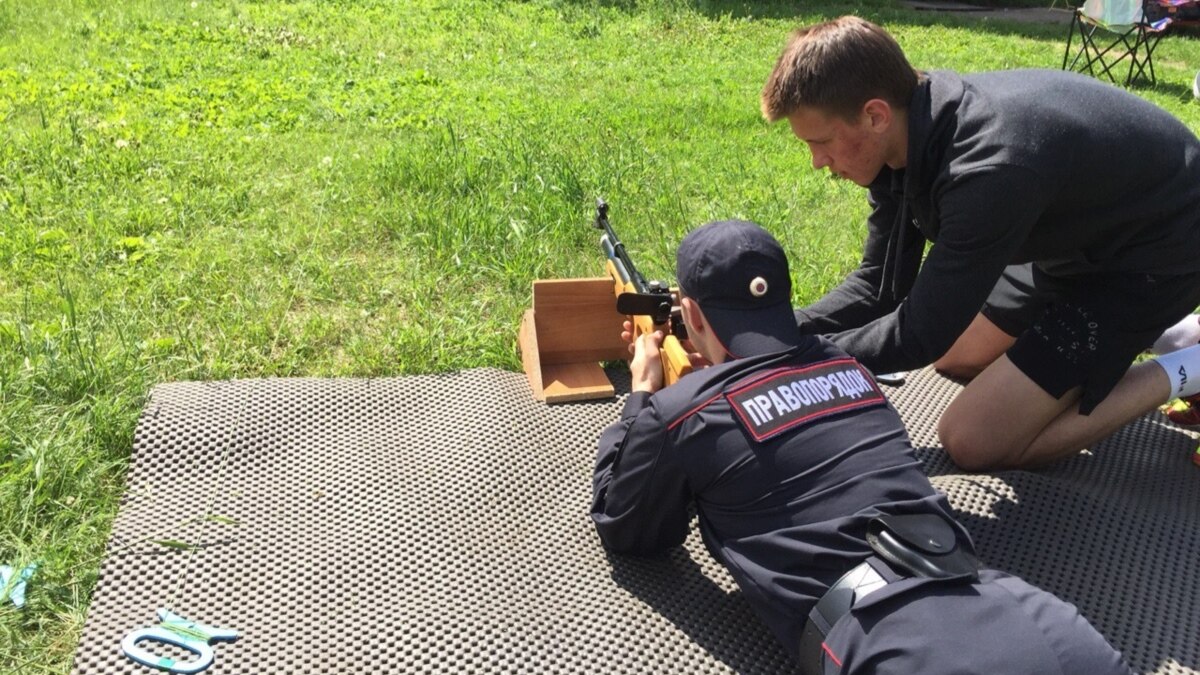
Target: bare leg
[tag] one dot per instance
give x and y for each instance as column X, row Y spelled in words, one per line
column 1143, row 387
column 981, row 344
column 1002, row 419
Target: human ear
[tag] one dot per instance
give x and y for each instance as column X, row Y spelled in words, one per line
column 693, row 318
column 877, row 113
column 700, row 334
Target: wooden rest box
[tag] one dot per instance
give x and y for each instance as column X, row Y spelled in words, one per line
column 572, row 326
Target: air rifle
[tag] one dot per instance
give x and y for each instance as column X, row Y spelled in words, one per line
column 650, row 305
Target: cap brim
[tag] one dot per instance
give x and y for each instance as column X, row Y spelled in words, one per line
column 752, row 332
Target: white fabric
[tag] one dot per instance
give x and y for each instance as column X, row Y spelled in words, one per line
column 1183, row 334
column 1183, row 370
column 1113, row 12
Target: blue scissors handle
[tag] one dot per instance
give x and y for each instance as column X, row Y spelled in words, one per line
column 192, row 636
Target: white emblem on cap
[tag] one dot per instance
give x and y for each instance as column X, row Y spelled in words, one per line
column 758, row 287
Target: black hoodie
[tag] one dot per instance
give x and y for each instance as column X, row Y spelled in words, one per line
column 1040, row 166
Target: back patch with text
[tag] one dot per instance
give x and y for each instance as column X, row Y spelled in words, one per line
column 785, row 398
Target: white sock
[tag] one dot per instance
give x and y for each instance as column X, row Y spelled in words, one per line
column 1183, row 334
column 1183, row 370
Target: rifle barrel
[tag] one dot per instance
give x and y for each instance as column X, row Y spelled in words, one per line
column 611, row 252
column 613, row 248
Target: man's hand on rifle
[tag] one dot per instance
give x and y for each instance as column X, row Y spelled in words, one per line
column 627, row 335
column 646, row 368
column 694, row 356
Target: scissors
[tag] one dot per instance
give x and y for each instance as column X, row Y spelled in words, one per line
column 192, row 636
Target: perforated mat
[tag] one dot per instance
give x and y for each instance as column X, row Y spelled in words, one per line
column 439, row 524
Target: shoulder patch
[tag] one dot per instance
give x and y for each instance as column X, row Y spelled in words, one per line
column 789, row 397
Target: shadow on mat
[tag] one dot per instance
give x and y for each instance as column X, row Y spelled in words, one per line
column 1125, row 560
column 721, row 623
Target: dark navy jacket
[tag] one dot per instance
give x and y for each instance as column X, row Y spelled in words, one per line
column 786, row 457
column 1053, row 168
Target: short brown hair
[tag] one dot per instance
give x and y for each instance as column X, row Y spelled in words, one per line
column 838, row 66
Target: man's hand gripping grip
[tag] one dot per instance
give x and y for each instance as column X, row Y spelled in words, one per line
column 675, row 361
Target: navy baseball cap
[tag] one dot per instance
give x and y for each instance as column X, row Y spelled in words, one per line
column 738, row 274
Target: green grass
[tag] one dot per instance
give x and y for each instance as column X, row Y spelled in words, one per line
column 227, row 189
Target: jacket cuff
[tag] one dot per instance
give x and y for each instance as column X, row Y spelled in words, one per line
column 634, row 404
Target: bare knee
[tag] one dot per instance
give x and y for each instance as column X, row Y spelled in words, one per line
column 968, row 448
column 958, row 368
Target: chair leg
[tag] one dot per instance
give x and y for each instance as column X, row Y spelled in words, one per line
column 1087, row 47
column 1070, row 34
column 1133, row 58
column 1141, row 65
column 1151, row 45
column 1106, row 65
column 1091, row 53
column 1136, row 44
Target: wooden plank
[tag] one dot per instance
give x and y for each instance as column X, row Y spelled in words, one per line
column 575, row 382
column 572, row 325
column 577, row 321
column 527, row 344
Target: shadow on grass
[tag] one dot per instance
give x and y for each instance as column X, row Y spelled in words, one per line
column 892, row 15
column 1182, row 91
column 879, row 11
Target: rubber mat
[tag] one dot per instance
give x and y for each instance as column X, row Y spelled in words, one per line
column 438, row 524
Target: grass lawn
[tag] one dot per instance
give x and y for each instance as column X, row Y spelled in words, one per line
column 229, row 189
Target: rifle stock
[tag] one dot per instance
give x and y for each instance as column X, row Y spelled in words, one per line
column 650, row 306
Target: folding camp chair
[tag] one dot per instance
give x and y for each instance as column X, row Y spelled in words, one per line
column 1137, row 26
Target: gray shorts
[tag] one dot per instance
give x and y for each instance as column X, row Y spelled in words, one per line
column 1085, row 331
